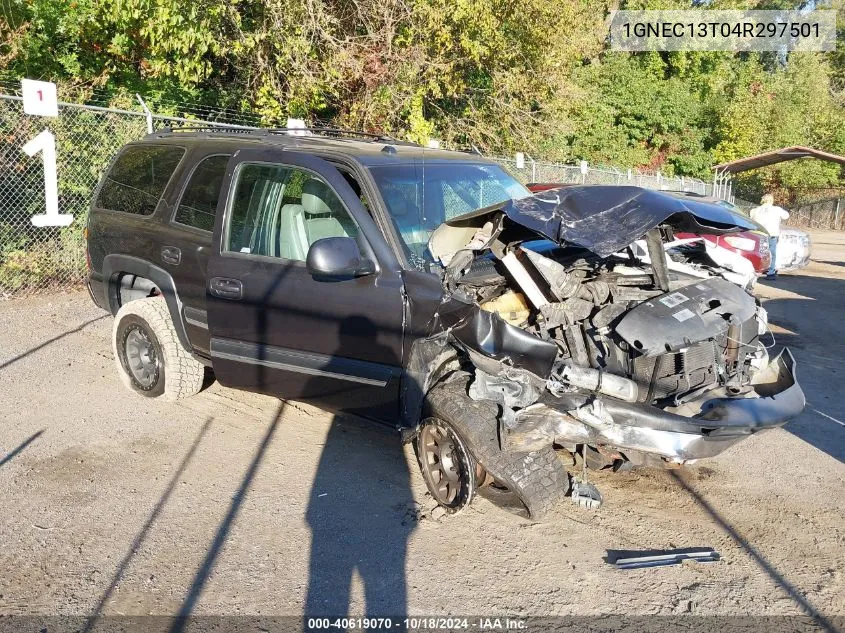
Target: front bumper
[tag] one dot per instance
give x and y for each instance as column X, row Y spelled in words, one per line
column 633, row 428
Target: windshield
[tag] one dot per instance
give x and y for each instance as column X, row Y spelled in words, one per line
column 420, row 197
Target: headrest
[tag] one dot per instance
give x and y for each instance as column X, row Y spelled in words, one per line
column 315, row 193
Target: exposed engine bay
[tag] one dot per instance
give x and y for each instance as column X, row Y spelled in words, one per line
column 609, row 319
column 608, row 341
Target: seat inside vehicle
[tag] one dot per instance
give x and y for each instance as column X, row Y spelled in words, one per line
column 323, row 217
column 293, row 242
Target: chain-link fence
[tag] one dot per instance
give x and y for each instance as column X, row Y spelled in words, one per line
column 825, row 214
column 34, row 259
column 543, row 172
column 37, row 259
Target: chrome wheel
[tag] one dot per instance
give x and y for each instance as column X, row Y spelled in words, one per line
column 143, row 362
column 446, row 465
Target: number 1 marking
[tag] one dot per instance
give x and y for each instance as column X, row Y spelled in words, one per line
column 46, row 144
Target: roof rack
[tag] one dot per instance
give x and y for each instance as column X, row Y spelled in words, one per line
column 341, row 133
column 203, row 127
column 332, row 132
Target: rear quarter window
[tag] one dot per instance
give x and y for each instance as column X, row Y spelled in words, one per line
column 198, row 205
column 138, row 178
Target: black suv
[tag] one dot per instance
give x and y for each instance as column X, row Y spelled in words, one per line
column 503, row 333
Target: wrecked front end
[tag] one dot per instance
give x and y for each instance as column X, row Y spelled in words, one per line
column 584, row 341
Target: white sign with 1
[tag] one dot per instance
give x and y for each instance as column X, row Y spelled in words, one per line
column 39, row 99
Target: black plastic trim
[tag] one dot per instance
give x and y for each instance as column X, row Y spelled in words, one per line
column 115, row 265
column 196, row 317
column 340, row 368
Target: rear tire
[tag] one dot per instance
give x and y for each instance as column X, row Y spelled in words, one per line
column 538, row 479
column 149, row 357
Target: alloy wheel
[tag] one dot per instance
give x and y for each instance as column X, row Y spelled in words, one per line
column 142, row 360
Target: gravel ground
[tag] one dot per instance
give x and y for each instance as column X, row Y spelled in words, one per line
column 231, row 503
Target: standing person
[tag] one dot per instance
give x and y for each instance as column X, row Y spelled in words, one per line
column 770, row 216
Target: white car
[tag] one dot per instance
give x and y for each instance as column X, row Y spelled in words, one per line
column 793, row 250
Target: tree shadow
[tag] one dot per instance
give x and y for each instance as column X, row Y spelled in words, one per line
column 813, row 321
column 361, row 513
column 145, row 529
column 207, row 566
column 14, row 452
column 793, row 592
column 40, row 346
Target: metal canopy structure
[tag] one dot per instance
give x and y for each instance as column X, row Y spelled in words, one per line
column 723, row 171
column 777, row 156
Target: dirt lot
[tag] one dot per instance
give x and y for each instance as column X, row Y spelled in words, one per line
column 230, row 503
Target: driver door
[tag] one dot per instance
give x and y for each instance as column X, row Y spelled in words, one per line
column 276, row 329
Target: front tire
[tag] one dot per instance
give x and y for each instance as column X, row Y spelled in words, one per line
column 537, row 479
column 149, row 357
column 447, row 466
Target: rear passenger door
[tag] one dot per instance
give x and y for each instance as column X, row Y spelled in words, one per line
column 276, row 329
column 186, row 245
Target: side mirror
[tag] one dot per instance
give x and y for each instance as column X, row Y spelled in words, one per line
column 334, row 258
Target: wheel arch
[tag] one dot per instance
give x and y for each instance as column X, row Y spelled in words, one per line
column 116, row 266
column 430, row 361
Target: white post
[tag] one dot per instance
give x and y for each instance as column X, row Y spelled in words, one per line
column 147, row 112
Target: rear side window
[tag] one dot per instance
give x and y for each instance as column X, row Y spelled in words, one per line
column 138, row 178
column 198, row 205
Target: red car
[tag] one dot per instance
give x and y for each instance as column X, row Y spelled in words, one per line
column 752, row 245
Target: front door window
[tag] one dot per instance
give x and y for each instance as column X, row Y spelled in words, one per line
column 279, row 211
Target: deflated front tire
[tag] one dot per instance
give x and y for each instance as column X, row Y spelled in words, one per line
column 537, row 478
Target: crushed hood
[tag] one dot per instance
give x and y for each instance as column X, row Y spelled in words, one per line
column 603, row 219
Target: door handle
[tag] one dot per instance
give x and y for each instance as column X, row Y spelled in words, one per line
column 225, row 288
column 171, row 255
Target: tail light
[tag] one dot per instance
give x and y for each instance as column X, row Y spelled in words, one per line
column 742, row 243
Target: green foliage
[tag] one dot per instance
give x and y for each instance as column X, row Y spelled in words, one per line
column 503, row 75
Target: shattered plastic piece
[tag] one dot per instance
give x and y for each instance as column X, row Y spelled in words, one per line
column 512, row 389
column 586, row 495
column 569, row 312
